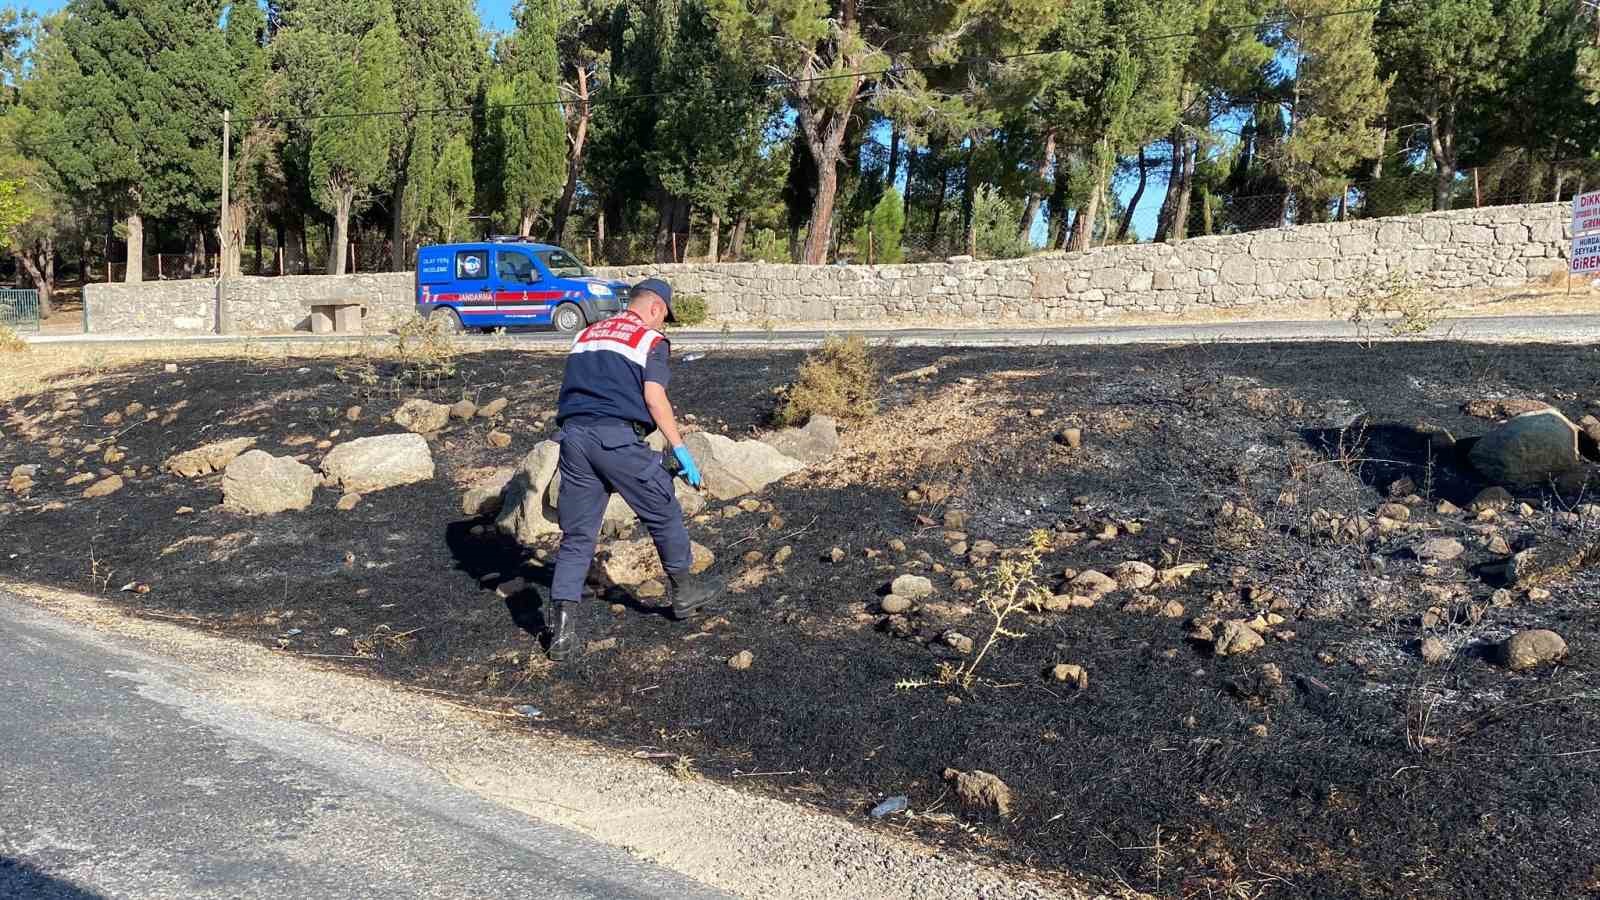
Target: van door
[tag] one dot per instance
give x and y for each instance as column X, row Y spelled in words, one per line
column 471, row 290
column 521, row 296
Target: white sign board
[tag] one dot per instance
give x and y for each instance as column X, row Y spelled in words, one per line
column 1586, row 213
column 1585, row 258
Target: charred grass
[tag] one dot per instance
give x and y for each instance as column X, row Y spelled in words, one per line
column 1364, row 773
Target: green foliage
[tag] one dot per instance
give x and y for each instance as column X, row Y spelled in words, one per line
column 425, row 351
column 995, row 217
column 524, row 119
column 766, row 245
column 838, row 379
column 1337, row 96
column 689, row 310
column 884, row 227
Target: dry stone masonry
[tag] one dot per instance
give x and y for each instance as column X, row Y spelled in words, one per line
column 1503, row 246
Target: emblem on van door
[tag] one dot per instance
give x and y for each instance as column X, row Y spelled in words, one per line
column 471, row 264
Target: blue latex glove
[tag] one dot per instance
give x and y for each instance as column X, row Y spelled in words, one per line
column 691, row 472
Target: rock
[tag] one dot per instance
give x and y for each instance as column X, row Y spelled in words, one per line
column 653, row 589
column 493, row 408
column 1134, row 575
column 1433, row 651
column 735, row 468
column 80, row 478
column 1236, row 637
column 1529, row 450
column 463, row 409
column 955, row 519
column 104, row 487
column 1489, row 408
column 894, row 604
column 1439, row 549
column 353, row 413
column 912, row 587
column 111, row 418
column 183, row 511
column 980, row 790
column 914, row 374
column 1498, row 545
column 816, row 443
column 1071, row 438
column 498, row 439
column 958, row 642
column 631, row 563
column 754, row 557
column 782, row 555
column 372, row 464
column 601, row 646
column 422, row 416
column 1172, row 609
column 1070, row 673
column 1497, row 499
column 1551, row 561
column 1446, row 508
column 897, row 545
column 25, row 471
column 741, row 660
column 348, row 502
column 1093, row 584
column 527, row 512
column 836, row 555
column 208, row 458
column 984, row 549
column 258, row 483
column 750, row 505
column 1530, row 649
column 959, row 548
column 1397, row 512
column 483, row 498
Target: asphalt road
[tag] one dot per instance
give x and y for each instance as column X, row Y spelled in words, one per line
column 1560, row 329
column 117, row 780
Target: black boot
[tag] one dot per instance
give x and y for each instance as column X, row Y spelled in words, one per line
column 690, row 592
column 563, row 626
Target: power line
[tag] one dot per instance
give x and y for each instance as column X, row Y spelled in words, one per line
column 778, row 83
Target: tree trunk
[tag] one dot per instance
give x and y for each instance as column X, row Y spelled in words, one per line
column 397, row 229
column 134, row 271
column 1442, row 143
column 1030, row 212
column 736, row 240
column 525, row 223
column 716, row 230
column 666, row 243
column 230, row 258
column 825, row 140
column 38, row 261
column 1180, row 210
column 1383, row 143
column 894, row 158
column 969, row 196
column 1083, row 228
column 339, row 243
column 1071, row 240
column 1133, row 202
column 575, row 155
column 258, row 247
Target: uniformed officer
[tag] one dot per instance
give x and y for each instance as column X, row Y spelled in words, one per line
column 614, row 392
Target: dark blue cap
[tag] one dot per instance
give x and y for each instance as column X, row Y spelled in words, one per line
column 659, row 288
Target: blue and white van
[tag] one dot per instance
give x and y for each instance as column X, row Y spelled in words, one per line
column 511, row 283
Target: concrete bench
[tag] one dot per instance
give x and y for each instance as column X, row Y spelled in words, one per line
column 336, row 314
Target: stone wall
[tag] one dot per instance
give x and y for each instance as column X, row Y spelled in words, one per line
column 1503, row 246
column 258, row 305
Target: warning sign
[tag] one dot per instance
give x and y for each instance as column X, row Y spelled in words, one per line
column 1585, row 258
column 1586, row 213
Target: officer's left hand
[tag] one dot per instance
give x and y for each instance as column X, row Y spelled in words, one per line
column 691, row 472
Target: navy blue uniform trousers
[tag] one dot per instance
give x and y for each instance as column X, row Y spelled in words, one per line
column 597, row 460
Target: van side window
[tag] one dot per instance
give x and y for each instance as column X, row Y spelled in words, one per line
column 515, row 267
column 472, row 265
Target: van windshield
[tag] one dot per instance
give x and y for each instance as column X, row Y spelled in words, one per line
column 562, row 264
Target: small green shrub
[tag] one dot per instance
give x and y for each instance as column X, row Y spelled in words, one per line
column 689, row 310
column 838, row 379
column 425, row 350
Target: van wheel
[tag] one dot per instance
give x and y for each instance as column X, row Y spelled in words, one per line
column 568, row 318
column 450, row 318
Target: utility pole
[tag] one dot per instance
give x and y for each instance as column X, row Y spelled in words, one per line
column 224, row 320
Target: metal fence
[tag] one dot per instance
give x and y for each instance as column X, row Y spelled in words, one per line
column 19, row 310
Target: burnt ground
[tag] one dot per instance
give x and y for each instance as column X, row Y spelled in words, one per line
column 1364, row 774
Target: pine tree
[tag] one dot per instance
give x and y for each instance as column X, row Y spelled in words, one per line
column 525, row 117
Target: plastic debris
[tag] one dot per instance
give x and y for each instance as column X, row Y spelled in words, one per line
column 532, row 712
column 898, row 803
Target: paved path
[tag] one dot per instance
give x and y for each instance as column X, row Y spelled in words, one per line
column 116, row 780
column 1563, row 329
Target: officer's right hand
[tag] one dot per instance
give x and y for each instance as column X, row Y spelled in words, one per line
column 691, row 472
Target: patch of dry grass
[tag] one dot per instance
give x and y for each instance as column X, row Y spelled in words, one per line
column 838, row 379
